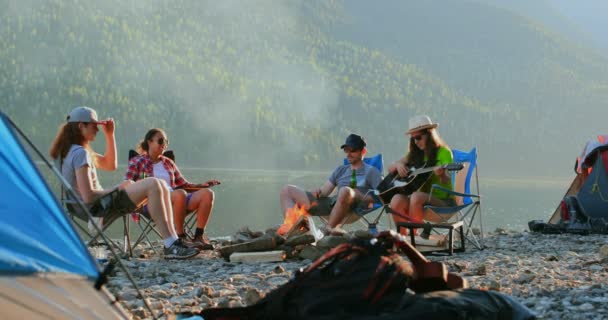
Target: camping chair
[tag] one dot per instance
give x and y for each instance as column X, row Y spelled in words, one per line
column 141, row 217
column 360, row 213
column 81, row 221
column 190, row 221
column 458, row 218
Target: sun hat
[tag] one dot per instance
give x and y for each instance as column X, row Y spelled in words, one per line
column 354, row 141
column 420, row 122
column 84, row 114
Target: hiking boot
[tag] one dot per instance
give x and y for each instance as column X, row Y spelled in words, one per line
column 180, row 251
column 201, row 243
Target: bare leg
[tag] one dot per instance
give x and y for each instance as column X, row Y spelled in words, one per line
column 202, row 202
column 178, row 201
column 166, row 197
column 290, row 195
column 400, row 204
column 152, row 190
column 342, row 208
column 417, row 202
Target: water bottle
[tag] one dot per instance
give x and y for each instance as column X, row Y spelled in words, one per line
column 100, row 254
column 353, row 179
column 373, row 230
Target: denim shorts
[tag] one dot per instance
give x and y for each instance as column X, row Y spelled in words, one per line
column 115, row 202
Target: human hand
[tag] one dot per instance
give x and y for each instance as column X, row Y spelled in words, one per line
column 439, row 172
column 209, row 183
column 402, row 170
column 212, row 182
column 108, row 126
column 316, row 192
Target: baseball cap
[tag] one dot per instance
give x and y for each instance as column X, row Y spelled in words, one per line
column 354, row 141
column 84, row 114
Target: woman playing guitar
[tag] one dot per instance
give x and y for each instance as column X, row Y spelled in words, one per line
column 426, row 148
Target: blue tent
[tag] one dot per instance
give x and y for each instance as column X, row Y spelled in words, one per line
column 45, row 269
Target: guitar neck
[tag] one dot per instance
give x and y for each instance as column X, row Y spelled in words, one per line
column 425, row 170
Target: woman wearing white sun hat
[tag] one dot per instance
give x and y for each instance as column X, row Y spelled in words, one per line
column 426, row 148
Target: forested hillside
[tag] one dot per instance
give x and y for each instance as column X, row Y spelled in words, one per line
column 279, row 84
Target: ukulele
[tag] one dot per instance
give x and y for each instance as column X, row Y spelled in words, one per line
column 393, row 184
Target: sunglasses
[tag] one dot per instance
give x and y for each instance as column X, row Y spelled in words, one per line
column 349, row 150
column 418, row 137
column 162, row 141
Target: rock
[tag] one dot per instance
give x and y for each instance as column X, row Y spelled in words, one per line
column 127, row 295
column 362, row 234
column 331, row 241
column 311, row 253
column 525, row 278
column 141, row 313
column 481, row 270
column 300, row 239
column 279, row 269
column 494, row 285
column 252, row 296
column 604, row 252
column 207, row 291
column 500, row 231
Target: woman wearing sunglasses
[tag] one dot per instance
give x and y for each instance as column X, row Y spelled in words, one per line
column 78, row 163
column 426, row 149
column 152, row 163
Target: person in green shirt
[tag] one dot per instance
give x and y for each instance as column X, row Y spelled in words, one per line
column 426, row 148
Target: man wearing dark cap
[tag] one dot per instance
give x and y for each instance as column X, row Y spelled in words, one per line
column 352, row 180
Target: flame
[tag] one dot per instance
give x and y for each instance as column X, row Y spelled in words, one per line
column 292, row 216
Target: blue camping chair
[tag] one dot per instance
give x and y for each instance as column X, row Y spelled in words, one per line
column 460, row 217
column 377, row 162
column 360, row 213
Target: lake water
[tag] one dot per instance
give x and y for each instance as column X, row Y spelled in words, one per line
column 251, row 198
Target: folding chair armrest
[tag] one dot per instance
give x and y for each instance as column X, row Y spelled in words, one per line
column 452, row 192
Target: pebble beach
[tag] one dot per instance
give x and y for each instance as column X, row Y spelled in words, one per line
column 556, row 276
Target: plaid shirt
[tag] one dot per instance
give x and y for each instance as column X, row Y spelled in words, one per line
column 143, row 164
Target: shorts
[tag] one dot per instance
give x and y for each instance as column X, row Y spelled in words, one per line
column 322, row 206
column 117, row 202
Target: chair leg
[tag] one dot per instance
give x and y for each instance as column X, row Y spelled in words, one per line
column 462, row 238
column 127, row 236
column 451, row 240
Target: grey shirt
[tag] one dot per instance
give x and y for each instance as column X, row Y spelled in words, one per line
column 368, row 177
column 77, row 158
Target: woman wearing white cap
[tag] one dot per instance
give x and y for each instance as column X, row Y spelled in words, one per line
column 426, row 148
column 79, row 165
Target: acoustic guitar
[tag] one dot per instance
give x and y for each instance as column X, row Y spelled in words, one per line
column 393, row 184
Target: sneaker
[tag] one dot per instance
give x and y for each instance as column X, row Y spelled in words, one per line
column 179, row 251
column 201, row 243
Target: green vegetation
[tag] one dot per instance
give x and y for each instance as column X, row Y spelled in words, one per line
column 279, row 84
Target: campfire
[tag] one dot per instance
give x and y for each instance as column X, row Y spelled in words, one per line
column 293, row 216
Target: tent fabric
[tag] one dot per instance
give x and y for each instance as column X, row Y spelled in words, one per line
column 67, row 297
column 36, row 234
column 593, row 194
column 585, row 160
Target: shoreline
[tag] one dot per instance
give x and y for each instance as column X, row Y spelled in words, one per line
column 556, row 276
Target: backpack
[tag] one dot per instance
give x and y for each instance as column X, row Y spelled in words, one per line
column 573, row 215
column 366, row 279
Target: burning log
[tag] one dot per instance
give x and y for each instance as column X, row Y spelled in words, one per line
column 293, row 217
column 300, row 239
